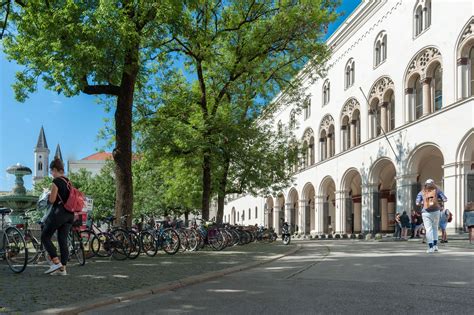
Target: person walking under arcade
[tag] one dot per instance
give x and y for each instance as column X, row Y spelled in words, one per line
column 428, row 197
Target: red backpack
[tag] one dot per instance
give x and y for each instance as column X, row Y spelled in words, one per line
column 75, row 202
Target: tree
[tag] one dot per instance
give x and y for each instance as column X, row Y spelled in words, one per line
column 227, row 44
column 92, row 47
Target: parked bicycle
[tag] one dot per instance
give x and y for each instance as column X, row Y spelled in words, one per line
column 12, row 245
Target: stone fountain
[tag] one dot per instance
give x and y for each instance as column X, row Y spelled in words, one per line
column 18, row 200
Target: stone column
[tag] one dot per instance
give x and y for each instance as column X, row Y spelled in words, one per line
column 410, row 101
column 403, row 195
column 464, row 85
column 451, row 190
column 357, row 200
column 353, row 133
column 302, row 217
column 367, row 207
column 391, row 209
column 384, row 116
column 426, row 84
column 340, row 222
column 288, row 210
column 319, row 214
column 384, row 194
column 276, row 216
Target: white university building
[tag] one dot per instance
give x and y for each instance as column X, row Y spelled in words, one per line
column 414, row 60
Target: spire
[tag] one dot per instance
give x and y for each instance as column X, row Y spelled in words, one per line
column 42, row 144
column 58, row 153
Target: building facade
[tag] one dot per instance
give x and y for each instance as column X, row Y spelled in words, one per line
column 395, row 108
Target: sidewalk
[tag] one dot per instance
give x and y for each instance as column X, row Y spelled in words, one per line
column 101, row 277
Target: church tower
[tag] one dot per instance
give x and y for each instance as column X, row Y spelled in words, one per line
column 41, row 158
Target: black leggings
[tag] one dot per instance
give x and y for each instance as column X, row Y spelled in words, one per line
column 58, row 220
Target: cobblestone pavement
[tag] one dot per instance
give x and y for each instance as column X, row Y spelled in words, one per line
column 101, row 277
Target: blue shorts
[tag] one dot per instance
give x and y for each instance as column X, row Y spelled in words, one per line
column 443, row 225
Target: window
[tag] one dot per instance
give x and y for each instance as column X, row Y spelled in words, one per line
column 40, row 166
column 471, row 59
column 249, row 214
column 307, row 108
column 326, row 92
column 418, row 98
column 350, row 73
column 292, row 119
column 422, row 16
column 437, row 84
column 391, row 111
column 237, row 216
column 380, row 50
column 256, row 212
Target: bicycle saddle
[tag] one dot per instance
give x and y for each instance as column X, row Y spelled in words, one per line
column 4, row 211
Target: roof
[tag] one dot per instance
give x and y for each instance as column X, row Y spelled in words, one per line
column 58, row 153
column 100, row 156
column 42, row 144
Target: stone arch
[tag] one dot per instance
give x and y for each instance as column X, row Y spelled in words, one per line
column 380, row 48
column 465, row 61
column 327, row 205
column 349, row 73
column 309, row 217
column 465, row 171
column 308, row 147
column 279, row 212
column 293, row 210
column 349, row 124
column 382, row 191
column 351, row 187
column 426, row 161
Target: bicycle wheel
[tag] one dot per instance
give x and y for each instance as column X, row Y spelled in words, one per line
column 215, row 239
column 16, row 252
column 33, row 246
column 120, row 244
column 148, row 244
column 183, row 240
column 193, row 240
column 77, row 248
column 135, row 248
column 170, row 241
column 101, row 245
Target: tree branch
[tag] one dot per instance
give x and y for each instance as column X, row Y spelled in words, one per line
column 98, row 89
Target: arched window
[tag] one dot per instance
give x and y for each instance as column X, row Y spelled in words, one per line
column 280, row 127
column 250, row 214
column 326, row 92
column 238, row 216
column 422, row 16
column 292, row 119
column 349, row 73
column 307, row 108
column 380, row 52
column 471, row 60
column 437, row 86
column 40, row 166
column 418, row 20
column 418, row 97
column 391, row 111
column 311, row 150
column 256, row 212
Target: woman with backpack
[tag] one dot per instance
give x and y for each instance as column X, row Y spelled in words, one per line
column 59, row 220
column 444, row 218
column 429, row 198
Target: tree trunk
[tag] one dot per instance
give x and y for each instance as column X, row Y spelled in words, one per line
column 122, row 153
column 222, row 191
column 206, row 184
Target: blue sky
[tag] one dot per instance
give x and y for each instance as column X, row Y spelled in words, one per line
column 73, row 122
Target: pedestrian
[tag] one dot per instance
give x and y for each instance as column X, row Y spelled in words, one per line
column 443, row 223
column 418, row 224
column 405, row 222
column 59, row 220
column 468, row 219
column 413, row 223
column 429, row 197
column 398, row 226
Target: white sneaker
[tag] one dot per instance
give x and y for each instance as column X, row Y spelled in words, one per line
column 59, row 272
column 430, row 250
column 435, row 248
column 53, row 268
